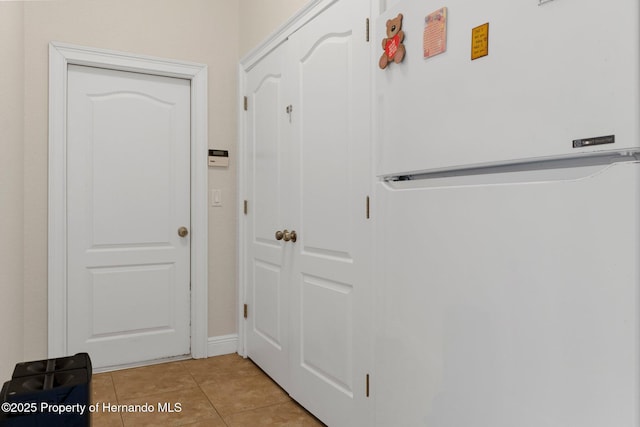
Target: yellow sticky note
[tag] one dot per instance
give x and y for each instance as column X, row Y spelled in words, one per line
column 480, row 41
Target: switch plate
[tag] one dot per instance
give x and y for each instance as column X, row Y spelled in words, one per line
column 215, row 198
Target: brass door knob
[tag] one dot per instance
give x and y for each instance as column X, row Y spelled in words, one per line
column 286, row 235
column 290, row 236
column 183, row 231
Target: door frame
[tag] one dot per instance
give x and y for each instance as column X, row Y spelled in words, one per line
column 60, row 56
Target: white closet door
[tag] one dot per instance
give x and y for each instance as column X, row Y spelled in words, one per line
column 268, row 262
column 128, row 193
column 331, row 283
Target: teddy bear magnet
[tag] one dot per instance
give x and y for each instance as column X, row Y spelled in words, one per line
column 392, row 44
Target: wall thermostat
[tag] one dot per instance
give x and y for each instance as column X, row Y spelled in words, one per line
column 218, row 158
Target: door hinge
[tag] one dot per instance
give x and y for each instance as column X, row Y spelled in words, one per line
column 246, row 207
column 367, row 26
column 368, row 207
column 367, row 386
column 246, row 103
column 246, row 311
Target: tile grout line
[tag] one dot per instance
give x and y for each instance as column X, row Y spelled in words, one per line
column 183, row 364
column 261, row 373
column 113, row 387
column 121, row 399
column 206, row 396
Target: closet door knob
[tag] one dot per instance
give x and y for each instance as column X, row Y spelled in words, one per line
column 183, row 231
column 286, row 235
column 290, row 236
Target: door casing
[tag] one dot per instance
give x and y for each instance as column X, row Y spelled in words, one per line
column 60, row 56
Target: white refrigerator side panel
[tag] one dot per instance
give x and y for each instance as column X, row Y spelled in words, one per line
column 555, row 73
column 510, row 304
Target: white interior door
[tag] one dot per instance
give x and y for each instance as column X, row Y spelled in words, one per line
column 267, row 268
column 331, row 283
column 128, row 193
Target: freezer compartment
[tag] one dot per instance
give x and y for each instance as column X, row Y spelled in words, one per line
column 510, row 301
column 560, row 79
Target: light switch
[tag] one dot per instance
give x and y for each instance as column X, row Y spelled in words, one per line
column 216, row 198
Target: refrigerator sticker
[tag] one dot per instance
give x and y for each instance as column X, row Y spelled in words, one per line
column 434, row 40
column 480, row 41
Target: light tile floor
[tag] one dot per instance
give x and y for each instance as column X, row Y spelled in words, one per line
column 223, row 391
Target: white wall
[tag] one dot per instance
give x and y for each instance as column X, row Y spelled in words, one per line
column 260, row 18
column 213, row 32
column 11, row 186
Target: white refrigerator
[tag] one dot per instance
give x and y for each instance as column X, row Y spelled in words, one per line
column 508, row 218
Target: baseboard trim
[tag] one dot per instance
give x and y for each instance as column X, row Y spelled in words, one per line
column 141, row 364
column 222, row 344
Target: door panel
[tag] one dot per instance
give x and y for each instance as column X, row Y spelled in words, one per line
column 267, row 277
column 267, row 294
column 330, row 179
column 128, row 192
column 327, row 336
column 110, row 283
column 130, row 146
column 324, row 155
